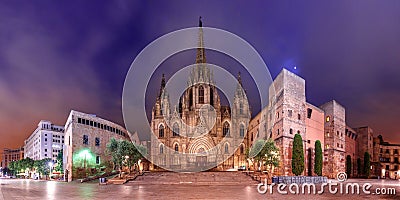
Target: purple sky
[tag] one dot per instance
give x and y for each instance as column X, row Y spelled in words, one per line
column 56, row 56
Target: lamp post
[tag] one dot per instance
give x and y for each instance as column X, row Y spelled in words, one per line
column 50, row 164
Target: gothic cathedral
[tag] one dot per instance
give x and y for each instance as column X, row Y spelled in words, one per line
column 200, row 133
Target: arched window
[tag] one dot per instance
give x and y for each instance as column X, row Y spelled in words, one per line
column 201, row 94
column 161, row 131
column 190, row 99
column 226, row 148
column 161, row 149
column 225, row 129
column 175, row 130
column 241, row 108
column 211, row 96
column 241, row 149
column 241, row 130
column 176, row 148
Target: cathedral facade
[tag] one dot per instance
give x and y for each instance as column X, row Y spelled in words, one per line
column 199, row 133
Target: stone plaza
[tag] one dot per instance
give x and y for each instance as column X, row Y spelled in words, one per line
column 171, row 185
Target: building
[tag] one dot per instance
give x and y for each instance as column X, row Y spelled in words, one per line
column 334, row 129
column 210, row 145
column 351, row 149
column 86, row 138
column 45, row 142
column 386, row 156
column 10, row 155
column 365, row 141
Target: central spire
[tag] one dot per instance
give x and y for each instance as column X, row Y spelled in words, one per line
column 200, row 55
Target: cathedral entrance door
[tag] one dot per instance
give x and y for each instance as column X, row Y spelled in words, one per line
column 201, row 161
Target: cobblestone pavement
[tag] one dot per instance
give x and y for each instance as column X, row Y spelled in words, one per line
column 31, row 189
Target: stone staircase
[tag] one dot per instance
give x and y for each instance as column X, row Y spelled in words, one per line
column 199, row 178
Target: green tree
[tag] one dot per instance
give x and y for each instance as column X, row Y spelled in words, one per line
column 271, row 154
column 318, row 158
column 297, row 155
column 265, row 152
column 367, row 164
column 359, row 169
column 60, row 162
column 348, row 165
column 13, row 167
column 112, row 149
column 42, row 166
column 125, row 153
column 255, row 152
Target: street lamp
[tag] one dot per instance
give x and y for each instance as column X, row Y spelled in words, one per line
column 51, row 167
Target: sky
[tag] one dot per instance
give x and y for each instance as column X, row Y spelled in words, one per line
column 61, row 55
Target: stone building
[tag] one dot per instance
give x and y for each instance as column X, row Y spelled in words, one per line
column 314, row 132
column 287, row 111
column 86, row 137
column 351, row 149
column 10, row 155
column 335, row 127
column 186, row 129
column 46, row 141
column 365, row 141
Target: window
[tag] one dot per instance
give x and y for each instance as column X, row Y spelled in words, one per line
column 190, row 99
column 278, row 132
column 175, row 130
column 161, row 131
column 327, row 119
column 226, row 148
column 45, row 139
column 91, row 123
column 87, row 122
column 97, row 160
column 45, row 150
column 225, row 129
column 241, row 130
column 176, row 148
column 298, row 116
column 95, row 124
column 97, row 141
column 85, row 139
column 290, row 112
column 309, row 112
column 291, row 131
column 201, row 94
column 79, row 120
column 211, row 97
column 241, row 108
column 161, row 149
column 241, row 149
